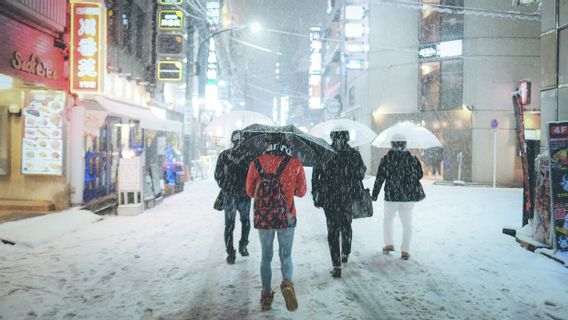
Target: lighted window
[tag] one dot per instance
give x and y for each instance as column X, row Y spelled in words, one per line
column 437, row 26
column 441, row 85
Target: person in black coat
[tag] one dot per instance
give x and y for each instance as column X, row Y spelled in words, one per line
column 401, row 172
column 334, row 185
column 231, row 175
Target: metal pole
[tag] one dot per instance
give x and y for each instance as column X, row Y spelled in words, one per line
column 494, row 157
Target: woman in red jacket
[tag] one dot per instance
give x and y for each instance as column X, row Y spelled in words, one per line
column 273, row 179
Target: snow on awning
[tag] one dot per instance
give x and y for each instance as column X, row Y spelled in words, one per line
column 148, row 120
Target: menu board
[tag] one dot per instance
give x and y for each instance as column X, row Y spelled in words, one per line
column 42, row 143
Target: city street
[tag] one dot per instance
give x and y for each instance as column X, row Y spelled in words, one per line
column 169, row 263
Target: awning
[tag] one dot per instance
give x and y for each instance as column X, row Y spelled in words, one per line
column 147, row 119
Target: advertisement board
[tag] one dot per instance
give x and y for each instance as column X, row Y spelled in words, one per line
column 86, row 47
column 42, row 143
column 558, row 153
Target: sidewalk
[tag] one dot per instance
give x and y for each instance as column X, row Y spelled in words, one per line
column 35, row 231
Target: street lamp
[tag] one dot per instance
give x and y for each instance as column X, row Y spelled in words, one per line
column 195, row 93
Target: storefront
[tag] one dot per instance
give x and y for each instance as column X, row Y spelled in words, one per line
column 106, row 131
column 34, row 107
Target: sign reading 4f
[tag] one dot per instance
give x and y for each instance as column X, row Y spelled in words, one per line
column 170, row 19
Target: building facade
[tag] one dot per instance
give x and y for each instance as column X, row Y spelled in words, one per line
column 34, row 102
column 450, row 66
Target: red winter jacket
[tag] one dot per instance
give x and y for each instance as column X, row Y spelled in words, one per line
column 293, row 177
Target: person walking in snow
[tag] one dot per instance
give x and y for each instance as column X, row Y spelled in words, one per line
column 334, row 185
column 230, row 174
column 401, row 172
column 273, row 179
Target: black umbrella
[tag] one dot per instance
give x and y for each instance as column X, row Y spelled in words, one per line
column 308, row 148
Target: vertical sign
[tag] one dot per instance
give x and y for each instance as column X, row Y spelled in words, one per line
column 86, row 47
column 315, row 68
column 3, row 140
column 520, row 119
column 558, row 149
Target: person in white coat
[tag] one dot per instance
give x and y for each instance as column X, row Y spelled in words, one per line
column 401, row 172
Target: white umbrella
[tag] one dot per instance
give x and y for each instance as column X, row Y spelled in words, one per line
column 417, row 137
column 222, row 126
column 359, row 134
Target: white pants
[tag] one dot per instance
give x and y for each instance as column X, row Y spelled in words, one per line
column 404, row 210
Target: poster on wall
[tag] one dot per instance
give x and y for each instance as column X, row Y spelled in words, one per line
column 542, row 224
column 558, row 150
column 42, row 143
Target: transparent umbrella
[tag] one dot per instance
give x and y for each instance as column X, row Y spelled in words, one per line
column 359, row 134
column 417, row 137
column 222, row 126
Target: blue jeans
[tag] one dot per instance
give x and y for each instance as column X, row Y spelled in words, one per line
column 285, row 240
column 232, row 205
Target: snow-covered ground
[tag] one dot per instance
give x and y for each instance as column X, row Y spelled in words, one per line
column 169, row 263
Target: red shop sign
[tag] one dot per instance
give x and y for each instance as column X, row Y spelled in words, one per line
column 86, row 47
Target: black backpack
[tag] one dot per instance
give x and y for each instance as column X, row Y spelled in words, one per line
column 271, row 209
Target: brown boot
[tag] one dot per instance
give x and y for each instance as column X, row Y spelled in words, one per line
column 388, row 248
column 266, row 300
column 289, row 294
column 405, row 255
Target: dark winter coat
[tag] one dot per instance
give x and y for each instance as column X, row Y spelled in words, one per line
column 339, row 179
column 402, row 173
column 231, row 172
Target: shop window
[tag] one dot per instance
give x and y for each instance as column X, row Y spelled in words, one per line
column 548, row 60
column 562, row 103
column 126, row 23
column 547, row 110
column 548, row 15
column 141, row 31
column 436, row 26
column 563, row 53
column 563, row 13
column 430, row 85
column 441, row 85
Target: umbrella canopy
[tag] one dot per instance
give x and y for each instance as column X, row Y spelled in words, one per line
column 359, row 134
column 222, row 126
column 417, row 137
column 308, row 148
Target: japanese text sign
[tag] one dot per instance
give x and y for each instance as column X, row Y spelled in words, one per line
column 86, row 47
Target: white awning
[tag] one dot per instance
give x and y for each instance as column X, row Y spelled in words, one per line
column 147, row 119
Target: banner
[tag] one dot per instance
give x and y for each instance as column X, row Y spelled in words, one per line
column 87, row 45
column 520, row 119
column 542, row 223
column 558, row 152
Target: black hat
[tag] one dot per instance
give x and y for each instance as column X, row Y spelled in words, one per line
column 236, row 136
column 339, row 135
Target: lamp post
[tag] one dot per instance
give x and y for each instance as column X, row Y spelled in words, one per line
column 193, row 95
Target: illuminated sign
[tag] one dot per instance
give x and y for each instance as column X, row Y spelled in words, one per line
column 170, row 19
column 354, row 12
column 86, row 47
column 169, row 44
column 441, row 50
column 315, row 68
column 355, row 64
column 169, row 70
column 32, row 65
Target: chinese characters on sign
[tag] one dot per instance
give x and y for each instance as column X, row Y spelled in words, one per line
column 86, row 47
